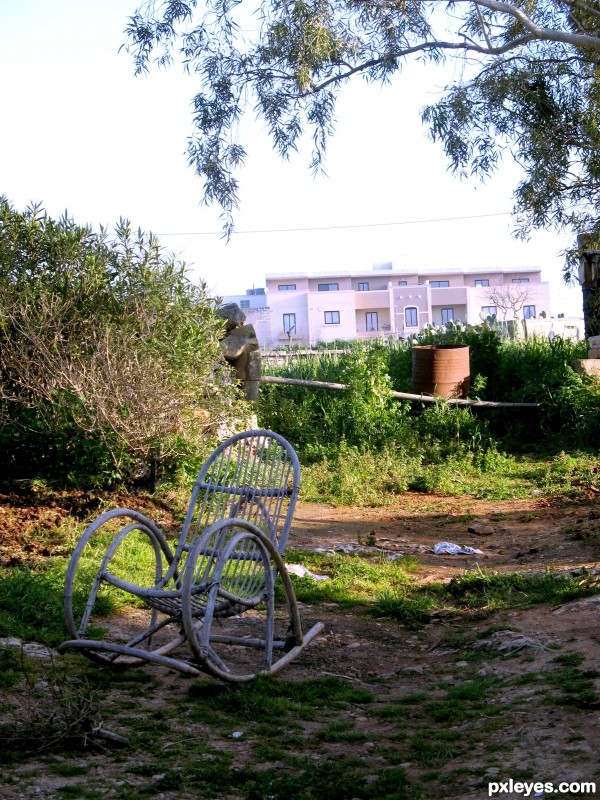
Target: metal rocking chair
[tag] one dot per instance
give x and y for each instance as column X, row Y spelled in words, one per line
column 214, row 590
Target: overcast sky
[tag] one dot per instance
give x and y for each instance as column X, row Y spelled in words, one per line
column 80, row 132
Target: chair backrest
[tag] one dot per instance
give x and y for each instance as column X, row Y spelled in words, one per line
column 254, row 475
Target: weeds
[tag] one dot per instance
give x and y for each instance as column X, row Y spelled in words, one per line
column 361, row 447
column 353, row 580
column 479, row 589
column 576, row 687
column 267, row 700
column 48, row 710
column 387, row 590
column 31, row 603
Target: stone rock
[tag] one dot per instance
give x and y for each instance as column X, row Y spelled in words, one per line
column 241, row 365
column 481, row 530
column 233, row 347
column 251, row 390
column 577, row 605
column 247, row 332
column 232, row 314
column 511, row 642
column 254, row 366
column 586, row 366
column 32, row 649
column 241, row 349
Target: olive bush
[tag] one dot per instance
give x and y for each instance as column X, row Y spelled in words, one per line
column 109, row 355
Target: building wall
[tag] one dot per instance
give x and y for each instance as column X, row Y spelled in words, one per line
column 286, row 303
column 326, row 307
column 384, row 301
column 260, row 318
column 410, row 302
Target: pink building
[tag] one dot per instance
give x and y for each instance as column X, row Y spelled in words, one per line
column 304, row 308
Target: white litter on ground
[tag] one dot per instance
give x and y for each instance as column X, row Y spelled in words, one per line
column 302, row 572
column 451, row 549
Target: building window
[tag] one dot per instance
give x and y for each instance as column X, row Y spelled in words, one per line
column 520, row 280
column 372, row 323
column 244, row 303
column 439, row 284
column 332, row 318
column 489, row 311
column 328, row 287
column 402, row 283
column 286, row 287
column 289, row 324
column 363, row 287
column 482, row 282
column 447, row 315
column 411, row 317
column 528, row 312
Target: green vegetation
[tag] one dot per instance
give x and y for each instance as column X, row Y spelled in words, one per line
column 363, row 447
column 387, row 589
column 572, row 686
column 31, row 598
column 349, row 732
column 110, row 367
column 353, row 580
column 31, row 602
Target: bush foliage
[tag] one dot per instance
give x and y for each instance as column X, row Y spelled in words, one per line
column 109, row 355
column 364, row 443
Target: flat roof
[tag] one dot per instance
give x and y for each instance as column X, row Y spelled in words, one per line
column 399, row 272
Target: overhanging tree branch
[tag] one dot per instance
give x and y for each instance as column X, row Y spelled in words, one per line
column 533, row 90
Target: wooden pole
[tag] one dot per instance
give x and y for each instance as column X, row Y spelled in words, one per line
column 419, row 398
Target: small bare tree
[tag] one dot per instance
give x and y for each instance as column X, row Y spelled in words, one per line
column 510, row 298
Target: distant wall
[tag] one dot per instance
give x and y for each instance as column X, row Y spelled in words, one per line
column 566, row 327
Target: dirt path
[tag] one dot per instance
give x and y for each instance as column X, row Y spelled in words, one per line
column 513, row 534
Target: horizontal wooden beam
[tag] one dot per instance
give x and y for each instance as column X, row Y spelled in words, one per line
column 417, row 398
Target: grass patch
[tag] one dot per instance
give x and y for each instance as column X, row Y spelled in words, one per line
column 31, row 603
column 358, row 478
column 273, row 701
column 337, row 779
column 340, row 732
column 353, row 579
column 11, row 666
column 413, row 609
column 575, row 687
column 67, row 770
column 458, row 704
column 387, row 589
column 481, row 589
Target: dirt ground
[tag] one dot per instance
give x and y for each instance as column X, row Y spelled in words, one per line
column 549, row 743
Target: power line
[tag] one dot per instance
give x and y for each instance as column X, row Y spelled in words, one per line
column 338, row 227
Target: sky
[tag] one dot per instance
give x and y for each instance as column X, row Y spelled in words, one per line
column 81, row 133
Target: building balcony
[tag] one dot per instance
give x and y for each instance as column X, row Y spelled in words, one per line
column 378, row 298
column 449, row 296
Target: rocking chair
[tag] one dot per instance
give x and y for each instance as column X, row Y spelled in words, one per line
column 213, row 590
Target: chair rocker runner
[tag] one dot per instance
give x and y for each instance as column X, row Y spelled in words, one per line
column 214, row 590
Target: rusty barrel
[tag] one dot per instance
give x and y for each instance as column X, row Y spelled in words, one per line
column 442, row 370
